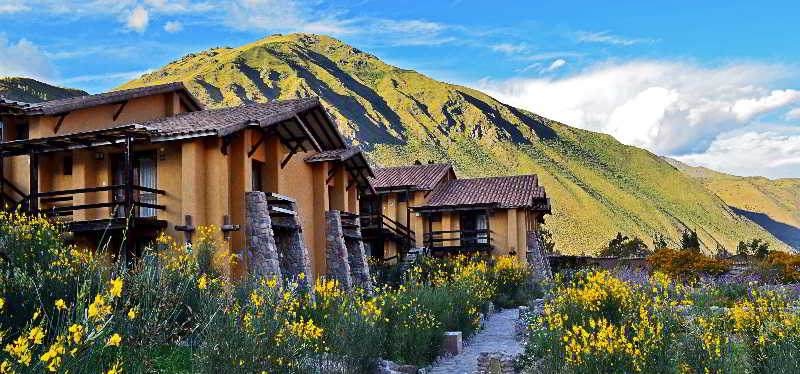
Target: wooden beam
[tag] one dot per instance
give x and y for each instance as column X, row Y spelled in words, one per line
column 321, row 122
column 298, row 140
column 307, row 133
column 119, row 110
column 264, row 135
column 60, row 122
column 289, row 156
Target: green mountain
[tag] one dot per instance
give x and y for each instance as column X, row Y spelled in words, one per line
column 33, row 91
column 598, row 186
column 773, row 204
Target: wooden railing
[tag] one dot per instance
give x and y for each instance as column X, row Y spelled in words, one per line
column 128, row 200
column 455, row 239
column 382, row 221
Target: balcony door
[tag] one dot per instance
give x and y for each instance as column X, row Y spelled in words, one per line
column 144, row 175
column 474, row 227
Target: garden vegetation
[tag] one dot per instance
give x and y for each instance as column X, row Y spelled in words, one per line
column 66, row 310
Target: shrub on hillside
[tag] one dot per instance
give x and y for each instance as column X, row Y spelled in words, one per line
column 687, row 263
column 623, row 246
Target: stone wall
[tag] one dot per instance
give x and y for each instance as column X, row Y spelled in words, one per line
column 261, row 248
column 338, row 264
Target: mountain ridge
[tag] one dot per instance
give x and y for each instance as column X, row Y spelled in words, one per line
column 32, row 91
column 598, row 185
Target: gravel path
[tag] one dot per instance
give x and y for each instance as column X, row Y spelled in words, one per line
column 498, row 336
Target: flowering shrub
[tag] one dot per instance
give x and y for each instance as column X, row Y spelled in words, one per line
column 687, row 263
column 602, row 322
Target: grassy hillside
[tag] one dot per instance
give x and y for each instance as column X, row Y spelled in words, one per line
column 598, row 186
column 774, row 204
column 33, row 91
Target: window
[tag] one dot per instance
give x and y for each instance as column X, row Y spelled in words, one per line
column 436, row 217
column 402, row 197
column 67, row 166
column 23, row 131
column 258, row 184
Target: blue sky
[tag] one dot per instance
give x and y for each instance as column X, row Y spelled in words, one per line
column 711, row 83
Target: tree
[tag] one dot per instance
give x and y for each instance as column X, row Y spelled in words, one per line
column 689, row 240
column 755, row 247
column 659, row 241
column 623, row 246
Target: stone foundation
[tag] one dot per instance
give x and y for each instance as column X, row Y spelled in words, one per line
column 356, row 254
column 536, row 257
column 293, row 253
column 338, row 264
column 261, row 248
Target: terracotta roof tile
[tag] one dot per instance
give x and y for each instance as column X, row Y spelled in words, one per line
column 225, row 121
column 333, row 155
column 73, row 103
column 521, row 191
column 417, row 177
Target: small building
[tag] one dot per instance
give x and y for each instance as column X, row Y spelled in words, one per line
column 153, row 159
column 444, row 214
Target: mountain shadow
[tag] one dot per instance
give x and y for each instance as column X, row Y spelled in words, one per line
column 786, row 233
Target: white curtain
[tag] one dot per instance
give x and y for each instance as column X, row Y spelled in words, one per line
column 147, row 178
column 482, row 223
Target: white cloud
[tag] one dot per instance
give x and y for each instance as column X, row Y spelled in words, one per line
column 530, row 67
column 508, row 48
column 138, row 19
column 555, row 65
column 747, row 109
column 283, row 15
column 606, row 37
column 751, row 153
column 666, row 107
column 24, row 59
column 173, row 26
column 178, row 6
column 121, row 76
column 548, row 56
column 12, row 6
column 792, row 115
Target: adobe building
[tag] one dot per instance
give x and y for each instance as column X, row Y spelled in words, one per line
column 427, row 206
column 288, row 193
column 157, row 156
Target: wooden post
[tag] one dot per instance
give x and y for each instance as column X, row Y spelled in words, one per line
column 128, row 186
column 187, row 228
column 34, row 183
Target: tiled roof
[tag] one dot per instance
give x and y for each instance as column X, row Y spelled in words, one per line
column 229, row 120
column 521, row 191
column 53, row 107
column 417, row 177
column 333, row 155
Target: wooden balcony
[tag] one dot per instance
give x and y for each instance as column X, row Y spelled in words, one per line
column 459, row 241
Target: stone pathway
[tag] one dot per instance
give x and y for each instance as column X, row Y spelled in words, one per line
column 498, row 336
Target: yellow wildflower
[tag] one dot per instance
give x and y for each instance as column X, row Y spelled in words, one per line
column 116, row 287
column 132, row 313
column 115, row 369
column 60, row 305
column 114, row 340
column 76, row 333
column 202, row 283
